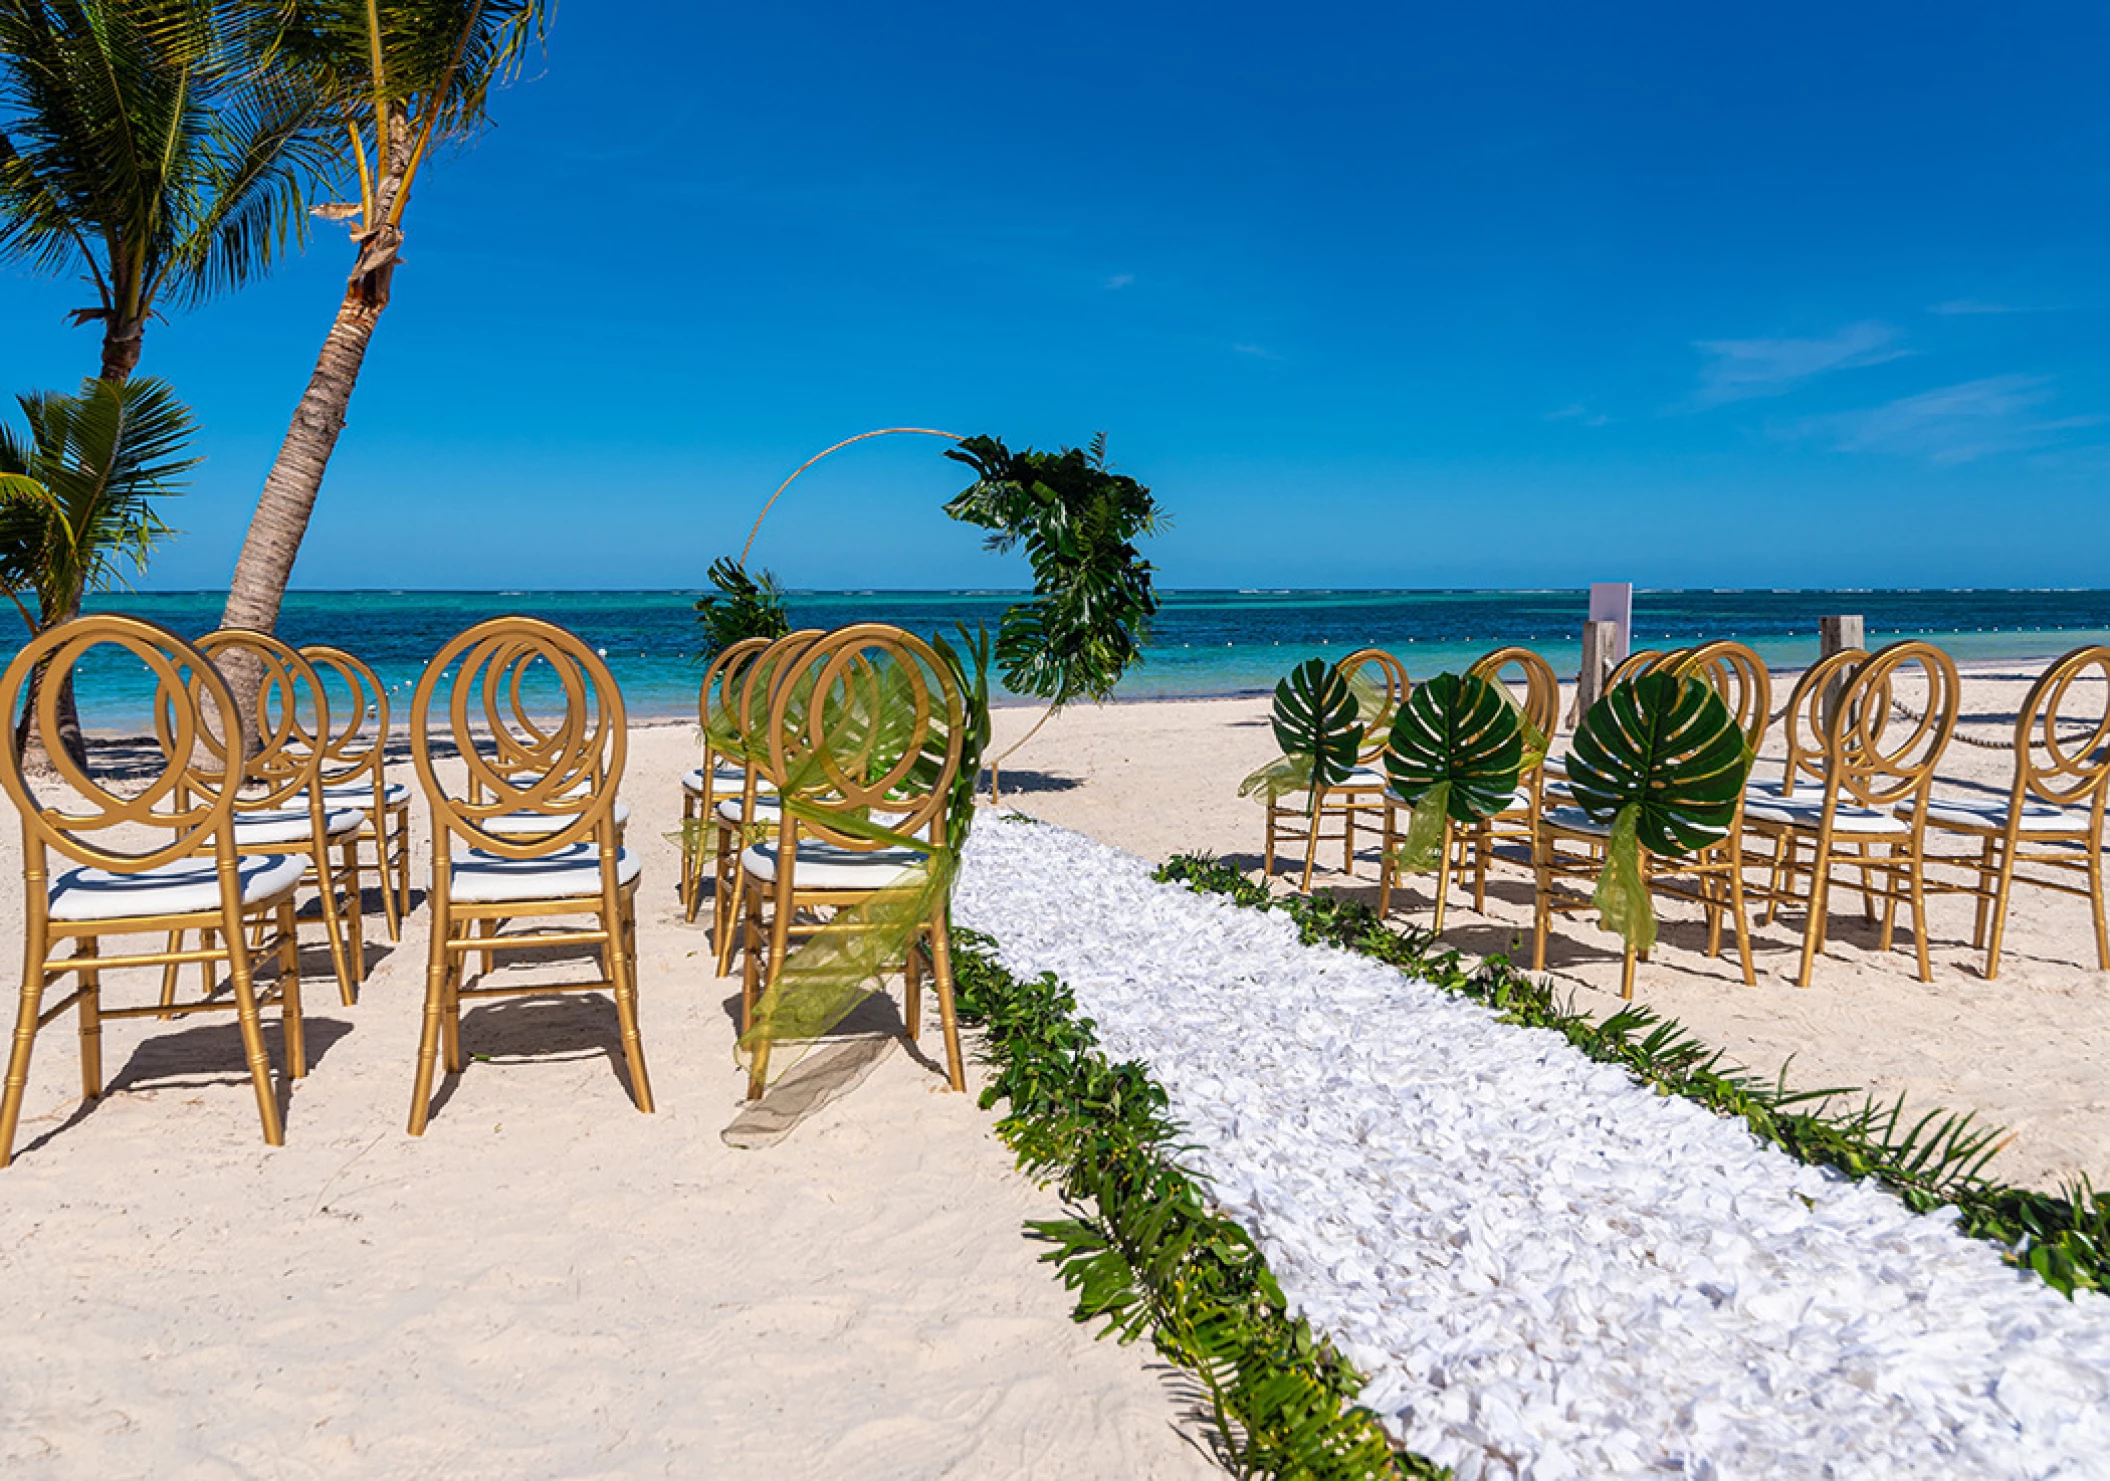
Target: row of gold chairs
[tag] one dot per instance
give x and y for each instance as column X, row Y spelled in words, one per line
column 214, row 843
column 1852, row 805
column 863, row 728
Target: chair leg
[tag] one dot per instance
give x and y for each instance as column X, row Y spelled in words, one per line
column 1443, row 874
column 1743, row 922
column 625, row 979
column 1988, row 871
column 1390, row 841
column 17, row 1082
column 91, row 1019
column 169, row 971
column 686, row 885
column 912, row 989
column 1919, row 911
column 1626, row 974
column 2095, row 900
column 1542, row 907
column 1483, row 843
column 1311, row 841
column 403, row 865
column 1267, row 850
column 1820, row 896
column 2003, row 885
column 253, row 1038
column 436, row 966
column 384, row 869
column 941, row 975
column 291, row 1022
column 355, row 907
column 726, row 898
column 333, row 925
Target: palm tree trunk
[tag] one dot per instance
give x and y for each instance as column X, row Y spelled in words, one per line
column 282, row 511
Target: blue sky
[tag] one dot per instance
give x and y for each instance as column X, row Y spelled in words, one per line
column 1370, row 295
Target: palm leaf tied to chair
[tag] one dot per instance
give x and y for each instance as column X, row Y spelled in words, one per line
column 1320, row 730
column 1661, row 760
column 873, row 744
column 1456, row 749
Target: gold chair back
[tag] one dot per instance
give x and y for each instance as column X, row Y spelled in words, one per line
column 1541, row 702
column 1739, row 679
column 187, row 803
column 1379, row 696
column 2051, row 761
column 1633, row 666
column 722, row 679
column 291, row 715
column 358, row 742
column 1878, row 762
column 1809, row 705
column 565, row 764
column 873, row 720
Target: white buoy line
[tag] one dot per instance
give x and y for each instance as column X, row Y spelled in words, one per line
column 1544, row 1269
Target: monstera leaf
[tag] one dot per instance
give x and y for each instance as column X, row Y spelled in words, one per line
column 1662, row 761
column 1456, row 750
column 1319, row 730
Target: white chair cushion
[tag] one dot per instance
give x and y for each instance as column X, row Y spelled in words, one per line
column 535, row 824
column 181, row 888
column 1363, row 779
column 723, row 779
column 292, row 825
column 361, row 795
column 1798, row 812
column 1990, row 816
column 766, row 806
column 823, row 866
column 570, row 873
column 1807, row 789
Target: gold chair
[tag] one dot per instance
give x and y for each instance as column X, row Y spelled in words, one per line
column 721, row 776
column 2052, row 817
column 1296, row 818
column 739, row 820
column 1540, row 706
column 160, row 863
column 1877, row 776
column 488, row 870
column 840, row 763
column 1712, row 876
column 281, row 808
column 1802, row 773
column 1633, row 666
column 354, row 775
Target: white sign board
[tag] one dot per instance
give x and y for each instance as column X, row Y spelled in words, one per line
column 1613, row 601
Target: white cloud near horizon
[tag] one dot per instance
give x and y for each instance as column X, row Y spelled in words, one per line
column 1579, row 414
column 1953, row 424
column 1258, row 352
column 1950, row 307
column 1120, row 280
column 1744, row 369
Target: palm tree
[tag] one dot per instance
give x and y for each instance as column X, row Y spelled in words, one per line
column 404, row 77
column 141, row 150
column 76, row 501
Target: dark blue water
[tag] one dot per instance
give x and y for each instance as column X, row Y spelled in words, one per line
column 1204, row 642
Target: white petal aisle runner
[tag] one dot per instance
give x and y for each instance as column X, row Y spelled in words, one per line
column 1546, row 1270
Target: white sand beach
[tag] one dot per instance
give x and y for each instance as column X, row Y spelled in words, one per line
column 550, row 1283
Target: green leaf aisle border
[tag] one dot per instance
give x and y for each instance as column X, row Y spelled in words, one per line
column 1935, row 1161
column 1661, row 760
column 1143, row 1250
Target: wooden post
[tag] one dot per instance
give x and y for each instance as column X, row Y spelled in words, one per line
column 1836, row 635
column 1599, row 641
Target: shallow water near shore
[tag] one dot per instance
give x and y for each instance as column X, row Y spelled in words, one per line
column 1203, row 643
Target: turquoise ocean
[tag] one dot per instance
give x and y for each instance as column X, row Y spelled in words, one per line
column 1202, row 643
